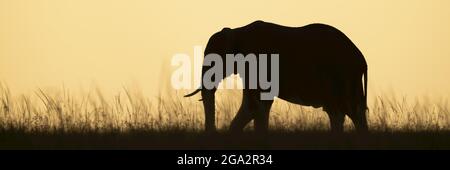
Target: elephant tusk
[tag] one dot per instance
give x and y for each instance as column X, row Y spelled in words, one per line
column 193, row 93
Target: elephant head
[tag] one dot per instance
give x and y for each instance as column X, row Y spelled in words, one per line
column 221, row 43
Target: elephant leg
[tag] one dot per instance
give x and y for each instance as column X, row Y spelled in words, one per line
column 359, row 120
column 358, row 109
column 336, row 121
column 262, row 117
column 242, row 118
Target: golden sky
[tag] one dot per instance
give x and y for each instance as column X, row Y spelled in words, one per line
column 113, row 43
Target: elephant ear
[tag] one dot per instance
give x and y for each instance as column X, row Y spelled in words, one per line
column 227, row 33
column 226, row 29
column 229, row 39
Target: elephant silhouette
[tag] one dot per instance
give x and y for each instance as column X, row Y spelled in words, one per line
column 319, row 66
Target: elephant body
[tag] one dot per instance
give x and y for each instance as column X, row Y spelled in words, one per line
column 319, row 66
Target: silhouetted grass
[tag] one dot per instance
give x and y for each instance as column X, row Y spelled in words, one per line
column 63, row 119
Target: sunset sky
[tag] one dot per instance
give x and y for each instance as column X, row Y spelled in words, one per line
column 112, row 43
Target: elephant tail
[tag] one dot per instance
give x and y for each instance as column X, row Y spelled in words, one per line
column 365, row 88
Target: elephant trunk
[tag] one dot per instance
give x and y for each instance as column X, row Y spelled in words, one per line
column 208, row 97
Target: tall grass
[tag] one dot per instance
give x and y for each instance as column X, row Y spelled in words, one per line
column 61, row 110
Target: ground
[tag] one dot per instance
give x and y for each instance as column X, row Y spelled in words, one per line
column 221, row 140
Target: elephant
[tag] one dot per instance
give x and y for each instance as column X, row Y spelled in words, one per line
column 319, row 66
